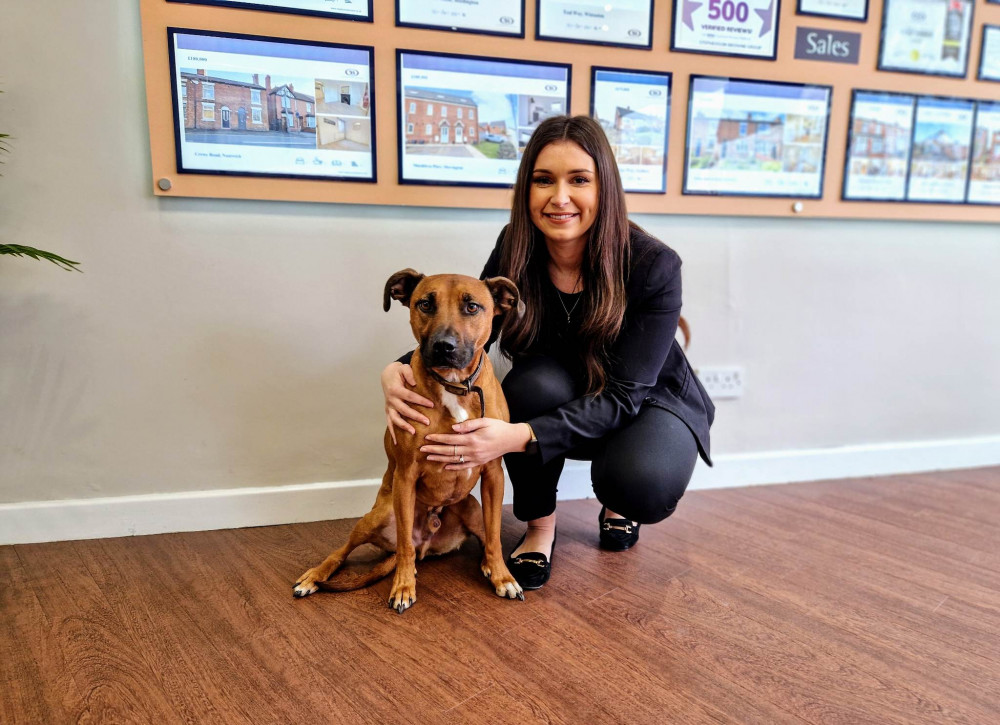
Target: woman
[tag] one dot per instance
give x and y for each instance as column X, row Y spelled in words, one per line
column 597, row 374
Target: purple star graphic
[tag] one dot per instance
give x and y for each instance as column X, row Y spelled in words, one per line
column 766, row 16
column 687, row 10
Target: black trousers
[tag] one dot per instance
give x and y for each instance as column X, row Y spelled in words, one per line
column 639, row 471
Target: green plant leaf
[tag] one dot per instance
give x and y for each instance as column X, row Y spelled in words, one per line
column 19, row 250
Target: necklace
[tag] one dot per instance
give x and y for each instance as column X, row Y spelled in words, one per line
column 569, row 312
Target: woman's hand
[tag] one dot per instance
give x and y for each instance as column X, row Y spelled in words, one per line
column 475, row 442
column 398, row 399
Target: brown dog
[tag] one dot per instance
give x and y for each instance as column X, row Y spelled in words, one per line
column 421, row 508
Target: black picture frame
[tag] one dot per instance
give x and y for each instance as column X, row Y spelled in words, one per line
column 674, row 48
column 980, row 76
column 972, row 148
column 456, row 29
column 899, row 69
column 687, row 138
column 178, row 122
column 595, row 69
column 850, row 141
column 264, row 7
column 401, row 115
column 560, row 39
column 850, row 18
column 968, row 168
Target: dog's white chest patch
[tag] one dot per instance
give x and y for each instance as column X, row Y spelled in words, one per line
column 450, row 401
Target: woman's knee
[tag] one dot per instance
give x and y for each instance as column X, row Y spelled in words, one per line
column 644, row 497
column 645, row 468
column 536, row 385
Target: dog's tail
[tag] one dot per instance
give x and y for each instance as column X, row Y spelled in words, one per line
column 685, row 330
column 350, row 582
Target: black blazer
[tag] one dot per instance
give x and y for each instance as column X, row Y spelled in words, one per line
column 648, row 365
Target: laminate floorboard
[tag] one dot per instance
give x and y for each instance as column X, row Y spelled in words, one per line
column 873, row 600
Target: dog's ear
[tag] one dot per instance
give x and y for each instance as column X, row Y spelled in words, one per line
column 400, row 286
column 505, row 295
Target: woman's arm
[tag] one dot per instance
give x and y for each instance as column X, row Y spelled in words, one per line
column 636, row 360
column 398, row 397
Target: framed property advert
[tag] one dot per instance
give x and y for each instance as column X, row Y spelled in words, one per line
column 843, row 9
column 726, row 27
column 465, row 120
column 942, row 139
column 344, row 9
column 878, row 146
column 633, row 108
column 756, row 138
column 989, row 54
column 258, row 106
column 489, row 17
column 627, row 23
column 926, row 36
column 984, row 174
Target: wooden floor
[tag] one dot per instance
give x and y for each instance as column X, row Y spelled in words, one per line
column 861, row 601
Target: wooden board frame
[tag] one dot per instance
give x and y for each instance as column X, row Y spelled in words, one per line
column 383, row 34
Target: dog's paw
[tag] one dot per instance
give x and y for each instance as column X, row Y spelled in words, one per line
column 306, row 585
column 510, row 590
column 403, row 593
column 503, row 582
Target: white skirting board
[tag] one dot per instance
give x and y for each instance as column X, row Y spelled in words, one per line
column 95, row 518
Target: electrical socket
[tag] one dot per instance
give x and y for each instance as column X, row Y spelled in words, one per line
column 722, row 381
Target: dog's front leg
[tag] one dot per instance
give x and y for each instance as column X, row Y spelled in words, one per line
column 493, row 566
column 404, row 498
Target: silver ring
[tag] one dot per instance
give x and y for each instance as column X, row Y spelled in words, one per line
column 461, row 458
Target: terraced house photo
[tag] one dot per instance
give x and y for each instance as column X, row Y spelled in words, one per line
column 211, row 102
column 290, row 110
column 224, row 107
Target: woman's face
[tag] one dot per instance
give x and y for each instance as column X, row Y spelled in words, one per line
column 564, row 192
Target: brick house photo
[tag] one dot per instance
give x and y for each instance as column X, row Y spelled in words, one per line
column 290, row 110
column 433, row 117
column 212, row 103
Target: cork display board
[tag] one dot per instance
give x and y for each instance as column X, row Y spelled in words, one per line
column 378, row 140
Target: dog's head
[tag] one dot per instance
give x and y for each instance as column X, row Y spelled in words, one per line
column 451, row 315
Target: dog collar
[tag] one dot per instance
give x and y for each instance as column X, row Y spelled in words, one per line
column 464, row 387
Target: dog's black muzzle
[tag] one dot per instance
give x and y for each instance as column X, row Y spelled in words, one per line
column 446, row 350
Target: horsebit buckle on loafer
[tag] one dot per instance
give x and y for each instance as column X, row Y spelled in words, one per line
column 521, row 560
column 627, row 528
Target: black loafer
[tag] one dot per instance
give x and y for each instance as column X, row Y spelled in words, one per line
column 531, row 568
column 617, row 534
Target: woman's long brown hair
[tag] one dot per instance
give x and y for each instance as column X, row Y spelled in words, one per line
column 524, row 256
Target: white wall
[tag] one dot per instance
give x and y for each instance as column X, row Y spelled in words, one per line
column 223, row 345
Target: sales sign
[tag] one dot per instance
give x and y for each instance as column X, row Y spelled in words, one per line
column 726, row 27
column 834, row 46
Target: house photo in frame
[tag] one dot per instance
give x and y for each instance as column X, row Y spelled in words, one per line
column 257, row 106
column 633, row 108
column 465, row 120
column 878, row 146
column 756, row 138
